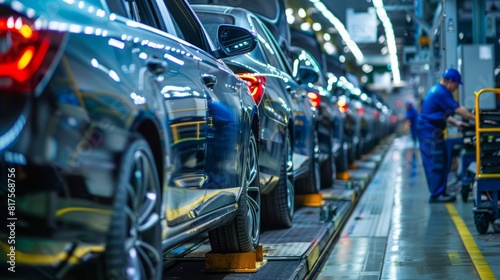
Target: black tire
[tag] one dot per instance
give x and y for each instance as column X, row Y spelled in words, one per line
column 342, row 163
column 243, row 233
column 312, row 182
column 465, row 192
column 134, row 235
column 329, row 167
column 279, row 205
column 482, row 222
column 351, row 155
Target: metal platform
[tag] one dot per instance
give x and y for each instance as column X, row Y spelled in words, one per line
column 292, row 253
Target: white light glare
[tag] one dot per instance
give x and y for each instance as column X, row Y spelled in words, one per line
column 367, row 68
column 302, row 13
column 341, row 29
column 305, row 26
column 391, row 40
column 316, row 26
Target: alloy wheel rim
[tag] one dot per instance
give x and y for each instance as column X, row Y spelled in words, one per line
column 253, row 192
column 142, row 257
column 290, row 189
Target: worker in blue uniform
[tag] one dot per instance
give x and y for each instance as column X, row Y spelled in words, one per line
column 437, row 110
column 411, row 117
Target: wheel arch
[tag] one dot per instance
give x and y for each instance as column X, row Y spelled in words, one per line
column 148, row 129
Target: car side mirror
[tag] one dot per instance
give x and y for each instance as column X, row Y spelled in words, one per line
column 235, row 40
column 308, row 75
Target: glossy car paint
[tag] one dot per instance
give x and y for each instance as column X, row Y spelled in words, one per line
column 284, row 106
column 331, row 121
column 112, row 80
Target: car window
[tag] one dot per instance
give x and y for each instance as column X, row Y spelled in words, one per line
column 211, row 21
column 314, row 63
column 265, row 44
column 143, row 11
column 118, row 7
column 283, row 59
column 268, row 8
column 186, row 23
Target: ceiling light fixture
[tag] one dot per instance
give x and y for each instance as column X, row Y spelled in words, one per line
column 305, row 26
column 302, row 13
column 391, row 40
column 340, row 28
column 316, row 26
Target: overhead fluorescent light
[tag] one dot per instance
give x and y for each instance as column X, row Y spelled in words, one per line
column 391, row 40
column 341, row 29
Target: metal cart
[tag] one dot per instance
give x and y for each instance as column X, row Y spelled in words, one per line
column 467, row 156
column 486, row 208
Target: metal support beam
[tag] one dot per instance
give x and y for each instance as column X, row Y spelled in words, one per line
column 449, row 31
column 423, row 25
column 437, row 20
column 479, row 22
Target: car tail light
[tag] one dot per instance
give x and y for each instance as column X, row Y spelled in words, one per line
column 394, row 119
column 342, row 103
column 314, row 99
column 361, row 111
column 256, row 85
column 376, row 114
column 25, row 53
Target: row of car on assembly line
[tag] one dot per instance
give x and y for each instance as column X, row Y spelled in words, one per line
column 133, row 126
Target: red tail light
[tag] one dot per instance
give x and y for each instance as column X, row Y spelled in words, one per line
column 314, row 99
column 25, row 53
column 256, row 85
column 361, row 111
column 376, row 114
column 342, row 105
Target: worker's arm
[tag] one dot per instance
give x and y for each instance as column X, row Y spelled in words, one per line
column 455, row 122
column 462, row 111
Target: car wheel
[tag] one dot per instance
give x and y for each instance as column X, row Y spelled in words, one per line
column 329, row 167
column 133, row 247
column 342, row 160
column 312, row 182
column 243, row 233
column 280, row 203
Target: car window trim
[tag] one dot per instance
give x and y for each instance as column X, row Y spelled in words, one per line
column 277, row 49
column 167, row 18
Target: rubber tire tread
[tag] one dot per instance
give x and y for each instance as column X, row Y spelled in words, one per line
column 275, row 212
column 482, row 222
column 115, row 255
column 235, row 237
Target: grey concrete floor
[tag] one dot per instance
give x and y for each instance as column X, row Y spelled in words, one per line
column 394, row 233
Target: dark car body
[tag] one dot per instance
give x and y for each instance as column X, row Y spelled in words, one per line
column 353, row 107
column 285, row 111
column 307, row 41
column 270, row 12
column 343, row 90
column 331, row 121
column 127, row 136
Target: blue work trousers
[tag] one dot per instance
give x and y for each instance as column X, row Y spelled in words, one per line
column 435, row 159
column 413, row 131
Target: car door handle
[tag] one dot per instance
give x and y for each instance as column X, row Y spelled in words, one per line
column 209, row 80
column 156, row 65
